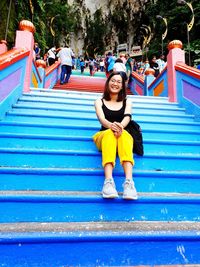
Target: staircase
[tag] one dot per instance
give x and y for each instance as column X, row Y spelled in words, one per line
column 51, row 210
column 83, row 84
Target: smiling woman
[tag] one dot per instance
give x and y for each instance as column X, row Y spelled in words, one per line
column 114, row 113
column 115, row 81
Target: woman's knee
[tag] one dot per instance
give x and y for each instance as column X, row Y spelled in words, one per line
column 108, row 134
column 126, row 135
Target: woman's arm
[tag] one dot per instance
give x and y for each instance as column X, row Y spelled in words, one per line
column 128, row 110
column 101, row 117
column 100, row 114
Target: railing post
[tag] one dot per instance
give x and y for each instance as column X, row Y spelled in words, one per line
column 24, row 38
column 41, row 65
column 149, row 78
column 175, row 54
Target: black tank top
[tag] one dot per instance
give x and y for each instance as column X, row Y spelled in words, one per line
column 113, row 115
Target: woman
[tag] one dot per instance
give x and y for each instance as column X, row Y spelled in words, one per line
column 114, row 114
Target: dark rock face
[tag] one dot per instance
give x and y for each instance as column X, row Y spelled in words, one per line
column 118, row 18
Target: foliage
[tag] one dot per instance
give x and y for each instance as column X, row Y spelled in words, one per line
column 96, row 30
column 59, row 17
column 178, row 16
column 55, row 14
column 4, row 8
column 119, row 21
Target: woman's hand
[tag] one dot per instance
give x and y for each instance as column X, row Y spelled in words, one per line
column 117, row 128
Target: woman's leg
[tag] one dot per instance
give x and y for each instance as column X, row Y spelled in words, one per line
column 108, row 170
column 128, row 169
column 107, row 143
column 125, row 151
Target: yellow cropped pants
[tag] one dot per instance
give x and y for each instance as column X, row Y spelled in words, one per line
column 111, row 145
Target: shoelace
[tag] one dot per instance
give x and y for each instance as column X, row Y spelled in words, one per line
column 128, row 184
column 109, row 182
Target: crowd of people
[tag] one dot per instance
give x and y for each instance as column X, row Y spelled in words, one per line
column 123, row 63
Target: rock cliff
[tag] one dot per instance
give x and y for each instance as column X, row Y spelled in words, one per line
column 106, row 23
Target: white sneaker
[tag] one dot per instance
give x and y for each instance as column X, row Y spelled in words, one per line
column 129, row 190
column 109, row 190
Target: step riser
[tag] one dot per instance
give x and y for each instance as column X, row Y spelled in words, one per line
column 157, row 116
column 69, row 131
column 76, row 160
column 89, row 99
column 72, row 106
column 126, row 251
column 160, row 123
column 89, row 145
column 68, row 107
column 61, row 209
column 89, row 182
column 59, row 130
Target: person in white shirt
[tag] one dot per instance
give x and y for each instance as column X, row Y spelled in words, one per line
column 51, row 54
column 65, row 54
column 161, row 63
column 119, row 66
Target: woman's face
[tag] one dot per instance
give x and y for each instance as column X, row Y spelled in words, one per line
column 115, row 84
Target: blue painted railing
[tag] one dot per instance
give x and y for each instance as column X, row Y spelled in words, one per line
column 188, row 84
column 12, row 76
column 44, row 77
column 159, row 86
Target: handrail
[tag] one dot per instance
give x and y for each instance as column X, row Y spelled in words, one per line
column 51, row 68
column 138, row 77
column 12, row 56
column 187, row 70
column 156, row 79
column 37, row 71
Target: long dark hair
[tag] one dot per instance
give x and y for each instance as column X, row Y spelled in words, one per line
column 122, row 93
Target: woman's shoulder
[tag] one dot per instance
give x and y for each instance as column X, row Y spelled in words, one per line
column 98, row 101
column 128, row 101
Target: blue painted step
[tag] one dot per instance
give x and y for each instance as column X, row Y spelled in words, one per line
column 52, row 173
column 158, row 116
column 137, row 107
column 58, row 245
column 62, row 206
column 92, row 180
column 21, row 140
column 88, row 98
column 89, row 104
column 52, row 117
column 91, row 159
column 151, row 131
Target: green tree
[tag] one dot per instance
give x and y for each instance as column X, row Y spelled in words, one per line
column 40, row 13
column 178, row 16
column 96, row 30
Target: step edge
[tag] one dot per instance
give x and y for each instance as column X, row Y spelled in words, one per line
column 19, row 105
column 16, row 110
column 99, row 226
column 48, row 125
column 52, row 116
column 95, row 153
column 94, row 172
column 88, row 138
